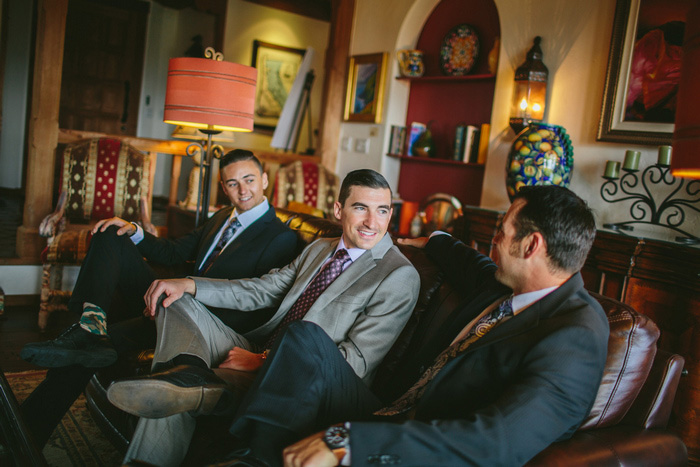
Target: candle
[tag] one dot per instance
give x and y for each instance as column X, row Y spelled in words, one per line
column 631, row 160
column 664, row 155
column 612, row 170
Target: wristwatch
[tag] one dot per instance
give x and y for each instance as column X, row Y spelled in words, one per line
column 337, row 437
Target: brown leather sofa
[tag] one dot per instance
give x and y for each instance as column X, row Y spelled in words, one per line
column 626, row 427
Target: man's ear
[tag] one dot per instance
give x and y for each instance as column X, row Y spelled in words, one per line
column 337, row 208
column 532, row 243
column 264, row 180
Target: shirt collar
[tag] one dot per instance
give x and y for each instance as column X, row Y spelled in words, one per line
column 524, row 300
column 251, row 215
column 353, row 252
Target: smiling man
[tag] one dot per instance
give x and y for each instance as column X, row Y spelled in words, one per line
column 359, row 290
column 245, row 239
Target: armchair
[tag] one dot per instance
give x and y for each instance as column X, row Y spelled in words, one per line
column 306, row 183
column 100, row 178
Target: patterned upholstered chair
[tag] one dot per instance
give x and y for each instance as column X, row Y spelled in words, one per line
column 100, row 178
column 307, row 183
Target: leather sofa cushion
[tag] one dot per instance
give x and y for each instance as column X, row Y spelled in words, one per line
column 631, row 351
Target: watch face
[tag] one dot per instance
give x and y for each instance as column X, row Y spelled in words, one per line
column 336, row 437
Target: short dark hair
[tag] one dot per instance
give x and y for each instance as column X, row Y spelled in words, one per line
column 564, row 220
column 361, row 177
column 238, row 155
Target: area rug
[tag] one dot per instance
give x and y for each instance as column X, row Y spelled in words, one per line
column 77, row 441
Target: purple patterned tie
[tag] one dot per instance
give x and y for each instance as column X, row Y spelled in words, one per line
column 406, row 402
column 227, row 234
column 315, row 288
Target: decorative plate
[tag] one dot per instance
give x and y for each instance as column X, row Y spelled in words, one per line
column 459, row 50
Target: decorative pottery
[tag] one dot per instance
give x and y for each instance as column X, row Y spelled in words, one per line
column 410, row 63
column 459, row 50
column 425, row 145
column 542, row 154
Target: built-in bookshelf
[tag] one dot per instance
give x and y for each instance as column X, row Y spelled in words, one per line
column 447, row 102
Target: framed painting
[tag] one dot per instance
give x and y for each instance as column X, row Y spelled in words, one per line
column 641, row 84
column 277, row 67
column 365, row 92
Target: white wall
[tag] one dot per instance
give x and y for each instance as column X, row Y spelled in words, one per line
column 575, row 42
column 247, row 22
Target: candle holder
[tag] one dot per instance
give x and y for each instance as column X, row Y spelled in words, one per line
column 668, row 212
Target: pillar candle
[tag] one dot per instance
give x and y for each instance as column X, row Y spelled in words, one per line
column 631, row 160
column 664, row 155
column 612, row 170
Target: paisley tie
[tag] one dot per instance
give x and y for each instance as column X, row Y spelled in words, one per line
column 228, row 233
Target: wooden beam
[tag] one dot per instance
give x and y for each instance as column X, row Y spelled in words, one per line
column 43, row 123
column 343, row 12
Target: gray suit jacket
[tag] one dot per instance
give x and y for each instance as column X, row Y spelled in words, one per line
column 363, row 310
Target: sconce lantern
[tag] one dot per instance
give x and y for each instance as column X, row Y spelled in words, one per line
column 530, row 90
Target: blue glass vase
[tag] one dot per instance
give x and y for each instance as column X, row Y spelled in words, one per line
column 542, row 154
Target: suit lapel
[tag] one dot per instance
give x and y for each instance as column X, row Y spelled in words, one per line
column 249, row 233
column 210, row 234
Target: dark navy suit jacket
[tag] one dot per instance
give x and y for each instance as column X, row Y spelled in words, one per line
column 527, row 383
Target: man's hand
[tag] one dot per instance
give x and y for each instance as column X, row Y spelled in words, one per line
column 416, row 242
column 124, row 226
column 172, row 288
column 242, row 359
column 310, row 452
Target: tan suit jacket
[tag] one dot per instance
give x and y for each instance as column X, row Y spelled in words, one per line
column 363, row 310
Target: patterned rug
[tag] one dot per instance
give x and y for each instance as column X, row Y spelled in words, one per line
column 77, row 441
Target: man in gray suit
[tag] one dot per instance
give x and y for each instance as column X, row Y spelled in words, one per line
column 362, row 312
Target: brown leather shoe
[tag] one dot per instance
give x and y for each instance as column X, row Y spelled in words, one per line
column 184, row 388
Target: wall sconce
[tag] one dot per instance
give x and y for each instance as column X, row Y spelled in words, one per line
column 530, row 90
column 686, row 136
column 213, row 96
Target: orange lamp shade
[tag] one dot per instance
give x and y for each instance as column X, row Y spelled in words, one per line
column 210, row 94
column 686, row 136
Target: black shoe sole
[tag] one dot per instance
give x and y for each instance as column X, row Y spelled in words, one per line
column 55, row 357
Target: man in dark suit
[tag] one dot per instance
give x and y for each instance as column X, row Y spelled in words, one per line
column 243, row 240
column 514, row 368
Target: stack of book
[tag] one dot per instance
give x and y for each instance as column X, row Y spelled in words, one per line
column 471, row 143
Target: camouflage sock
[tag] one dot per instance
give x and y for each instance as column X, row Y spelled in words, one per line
column 94, row 319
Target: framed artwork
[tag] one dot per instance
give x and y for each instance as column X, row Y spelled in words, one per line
column 641, row 84
column 365, row 92
column 277, row 67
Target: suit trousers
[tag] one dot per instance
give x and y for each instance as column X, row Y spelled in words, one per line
column 319, row 389
column 185, row 327
column 113, row 267
column 49, row 402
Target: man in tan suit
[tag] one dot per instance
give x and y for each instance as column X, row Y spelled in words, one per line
column 362, row 311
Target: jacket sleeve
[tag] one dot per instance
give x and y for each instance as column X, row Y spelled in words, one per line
column 464, row 267
column 376, row 329
column 172, row 252
column 248, row 294
column 545, row 400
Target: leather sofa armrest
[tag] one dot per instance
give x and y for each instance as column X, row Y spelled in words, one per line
column 652, row 407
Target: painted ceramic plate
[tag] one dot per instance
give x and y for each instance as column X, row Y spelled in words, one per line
column 459, row 50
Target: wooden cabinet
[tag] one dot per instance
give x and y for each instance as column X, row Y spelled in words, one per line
column 659, row 279
column 447, row 101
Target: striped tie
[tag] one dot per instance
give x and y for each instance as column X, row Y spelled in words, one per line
column 227, row 234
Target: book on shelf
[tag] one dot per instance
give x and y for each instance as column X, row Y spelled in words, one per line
column 483, row 143
column 460, row 133
column 398, row 139
column 471, row 139
column 417, row 129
